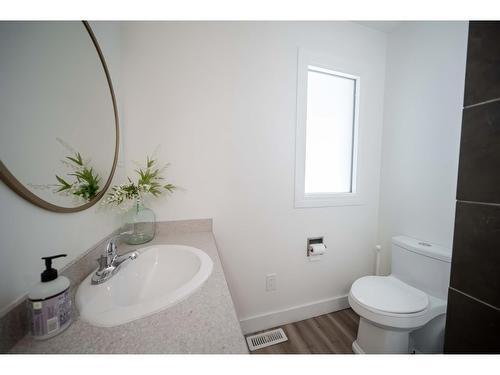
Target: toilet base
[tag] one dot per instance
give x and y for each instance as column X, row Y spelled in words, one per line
column 374, row 339
column 356, row 348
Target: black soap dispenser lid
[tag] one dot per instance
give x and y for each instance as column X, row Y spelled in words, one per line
column 50, row 273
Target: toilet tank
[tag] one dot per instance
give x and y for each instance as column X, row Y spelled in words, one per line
column 421, row 264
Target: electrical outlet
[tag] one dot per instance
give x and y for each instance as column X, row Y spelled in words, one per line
column 271, row 282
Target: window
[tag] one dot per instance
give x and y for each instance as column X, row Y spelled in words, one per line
column 327, row 132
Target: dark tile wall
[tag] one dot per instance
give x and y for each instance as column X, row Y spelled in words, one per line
column 473, row 315
column 482, row 78
column 472, row 327
column 479, row 162
column 476, row 251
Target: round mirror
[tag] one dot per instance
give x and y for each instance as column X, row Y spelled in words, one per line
column 58, row 117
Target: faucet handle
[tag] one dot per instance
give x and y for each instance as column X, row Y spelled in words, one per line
column 111, row 248
column 110, row 252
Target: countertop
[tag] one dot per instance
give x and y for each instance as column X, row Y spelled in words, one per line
column 205, row 322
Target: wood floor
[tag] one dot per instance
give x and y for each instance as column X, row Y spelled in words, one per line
column 325, row 334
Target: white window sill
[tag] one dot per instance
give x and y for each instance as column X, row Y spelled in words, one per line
column 327, row 200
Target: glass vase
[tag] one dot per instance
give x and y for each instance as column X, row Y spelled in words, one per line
column 142, row 222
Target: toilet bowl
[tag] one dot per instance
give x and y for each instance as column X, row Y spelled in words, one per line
column 414, row 294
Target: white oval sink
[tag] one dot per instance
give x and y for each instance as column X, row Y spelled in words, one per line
column 161, row 276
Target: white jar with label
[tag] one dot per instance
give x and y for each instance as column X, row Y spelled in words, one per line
column 49, row 303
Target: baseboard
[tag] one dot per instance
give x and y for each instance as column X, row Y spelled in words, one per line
column 293, row 314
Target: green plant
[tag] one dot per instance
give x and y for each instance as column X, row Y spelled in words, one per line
column 149, row 181
column 86, row 182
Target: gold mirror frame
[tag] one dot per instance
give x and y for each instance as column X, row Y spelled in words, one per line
column 12, row 182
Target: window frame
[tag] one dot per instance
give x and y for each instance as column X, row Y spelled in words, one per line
column 303, row 199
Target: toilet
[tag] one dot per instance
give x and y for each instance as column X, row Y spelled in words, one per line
column 405, row 311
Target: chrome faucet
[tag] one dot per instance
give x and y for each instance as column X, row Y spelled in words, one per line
column 110, row 261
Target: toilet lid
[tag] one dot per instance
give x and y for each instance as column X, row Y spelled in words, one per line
column 388, row 294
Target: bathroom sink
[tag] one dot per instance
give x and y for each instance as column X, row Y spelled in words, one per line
column 161, row 276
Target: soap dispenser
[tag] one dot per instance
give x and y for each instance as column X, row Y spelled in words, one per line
column 49, row 303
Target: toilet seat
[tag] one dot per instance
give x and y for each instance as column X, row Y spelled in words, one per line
column 374, row 298
column 387, row 295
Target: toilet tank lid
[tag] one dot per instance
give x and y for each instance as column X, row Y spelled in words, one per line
column 423, row 247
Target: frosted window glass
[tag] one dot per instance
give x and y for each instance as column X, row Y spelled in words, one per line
column 329, row 132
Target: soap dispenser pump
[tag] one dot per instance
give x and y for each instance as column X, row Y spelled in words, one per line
column 49, row 303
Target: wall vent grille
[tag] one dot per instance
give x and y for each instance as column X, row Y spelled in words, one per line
column 264, row 339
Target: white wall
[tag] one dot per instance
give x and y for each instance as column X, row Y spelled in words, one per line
column 28, row 232
column 422, row 121
column 220, row 98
